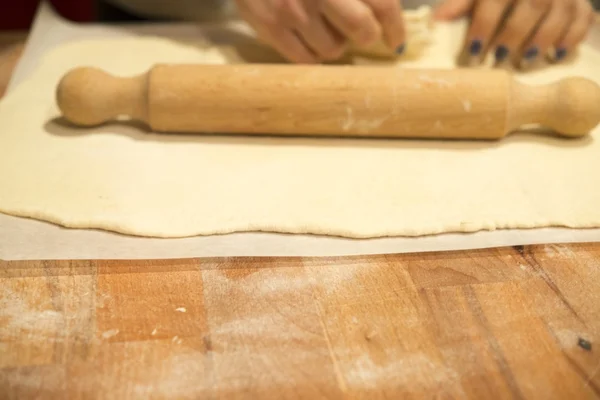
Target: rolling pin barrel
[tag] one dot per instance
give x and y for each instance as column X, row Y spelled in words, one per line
column 329, row 100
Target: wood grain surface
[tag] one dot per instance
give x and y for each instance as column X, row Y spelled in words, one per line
column 501, row 323
column 519, row 322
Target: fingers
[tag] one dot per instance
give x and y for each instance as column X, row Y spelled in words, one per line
column 366, row 21
column 270, row 30
column 293, row 13
column 290, row 46
column 354, row 19
column 549, row 31
column 307, row 31
column 583, row 19
column 487, row 16
column 322, row 39
column 518, row 27
column 389, row 15
column 525, row 29
column 452, row 9
column 314, row 30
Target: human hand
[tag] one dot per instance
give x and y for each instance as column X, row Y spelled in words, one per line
column 9, row 56
column 522, row 29
column 309, row 31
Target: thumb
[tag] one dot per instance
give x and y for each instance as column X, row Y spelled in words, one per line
column 452, row 9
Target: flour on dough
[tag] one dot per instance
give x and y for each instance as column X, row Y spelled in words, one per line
column 120, row 178
column 417, row 26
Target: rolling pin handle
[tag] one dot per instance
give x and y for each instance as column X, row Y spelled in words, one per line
column 89, row 96
column 570, row 107
column 576, row 106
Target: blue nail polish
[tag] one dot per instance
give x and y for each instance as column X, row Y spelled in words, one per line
column 475, row 47
column 531, row 53
column 561, row 53
column 501, row 53
column 400, row 49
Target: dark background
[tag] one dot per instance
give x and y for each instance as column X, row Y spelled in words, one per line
column 18, row 14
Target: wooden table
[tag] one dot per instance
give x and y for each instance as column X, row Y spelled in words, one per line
column 519, row 322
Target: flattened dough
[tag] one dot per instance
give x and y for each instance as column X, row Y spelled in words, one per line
column 123, row 179
column 418, row 34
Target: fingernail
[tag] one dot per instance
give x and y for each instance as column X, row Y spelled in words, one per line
column 501, row 53
column 561, row 53
column 531, row 53
column 400, row 49
column 475, row 47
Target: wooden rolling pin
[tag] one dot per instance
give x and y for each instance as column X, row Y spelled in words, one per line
column 330, row 100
